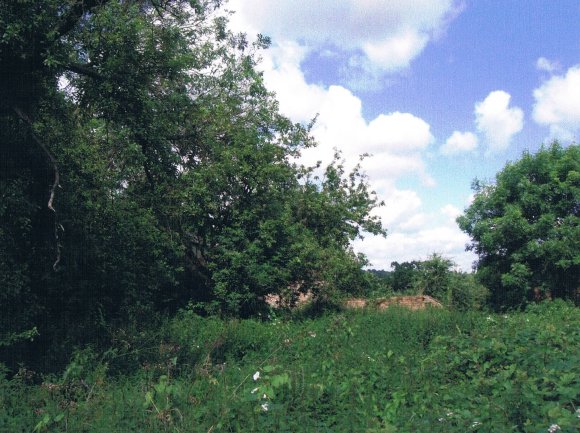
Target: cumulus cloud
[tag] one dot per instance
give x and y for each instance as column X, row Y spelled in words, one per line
column 459, row 142
column 419, row 245
column 397, row 51
column 543, row 64
column 389, row 34
column 558, row 104
column 398, row 132
column 396, row 140
column 497, row 121
column 415, row 235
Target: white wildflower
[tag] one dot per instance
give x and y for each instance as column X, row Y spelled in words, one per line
column 554, row 428
column 475, row 424
column 265, row 407
column 441, row 419
column 264, row 396
column 312, row 334
column 256, row 375
column 578, row 413
column 449, row 413
column 255, row 390
column 490, row 318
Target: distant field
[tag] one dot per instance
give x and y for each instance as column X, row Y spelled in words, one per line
column 355, row 371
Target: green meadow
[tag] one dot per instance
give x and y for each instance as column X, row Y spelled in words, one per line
column 347, row 371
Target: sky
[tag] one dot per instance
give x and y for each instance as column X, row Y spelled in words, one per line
column 439, row 92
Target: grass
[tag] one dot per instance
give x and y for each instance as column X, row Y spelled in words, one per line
column 355, row 371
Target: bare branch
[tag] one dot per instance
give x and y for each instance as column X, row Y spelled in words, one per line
column 24, row 117
column 86, row 70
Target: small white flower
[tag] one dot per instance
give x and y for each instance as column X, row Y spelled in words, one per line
column 578, row 413
column 554, row 428
column 264, row 396
column 441, row 419
column 505, row 316
column 449, row 413
column 475, row 424
column 256, row 375
column 255, row 390
column 265, row 407
column 312, row 334
column 490, row 318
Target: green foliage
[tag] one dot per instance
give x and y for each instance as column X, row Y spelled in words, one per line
column 525, row 228
column 517, row 370
column 145, row 165
column 434, row 278
column 396, row 371
column 437, row 277
column 404, row 276
column 467, row 293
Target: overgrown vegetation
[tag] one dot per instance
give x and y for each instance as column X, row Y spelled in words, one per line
column 391, row 371
column 145, row 166
column 437, row 277
column 150, row 199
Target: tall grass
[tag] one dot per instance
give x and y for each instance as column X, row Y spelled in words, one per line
column 355, row 371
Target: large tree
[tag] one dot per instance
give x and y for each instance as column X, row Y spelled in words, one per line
column 525, row 227
column 144, row 164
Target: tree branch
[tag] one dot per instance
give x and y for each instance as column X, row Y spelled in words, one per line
column 86, row 70
column 24, row 117
column 74, row 14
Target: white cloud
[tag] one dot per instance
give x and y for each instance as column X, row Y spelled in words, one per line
column 390, row 34
column 543, row 64
column 400, row 206
column 558, row 104
column 459, row 142
column 397, row 51
column 451, row 212
column 399, row 132
column 497, row 121
column 415, row 222
column 419, row 245
column 415, row 235
column 395, row 140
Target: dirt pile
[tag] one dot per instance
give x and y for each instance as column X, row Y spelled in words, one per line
column 419, row 302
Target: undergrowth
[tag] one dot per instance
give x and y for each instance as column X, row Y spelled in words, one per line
column 354, row 371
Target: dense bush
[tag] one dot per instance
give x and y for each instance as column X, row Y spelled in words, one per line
column 525, row 228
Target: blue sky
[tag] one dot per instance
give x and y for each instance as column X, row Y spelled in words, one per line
column 438, row 91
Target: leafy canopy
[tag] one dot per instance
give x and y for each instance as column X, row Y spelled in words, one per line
column 145, row 166
column 525, row 227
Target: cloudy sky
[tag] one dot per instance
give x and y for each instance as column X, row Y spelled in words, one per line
column 439, row 91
